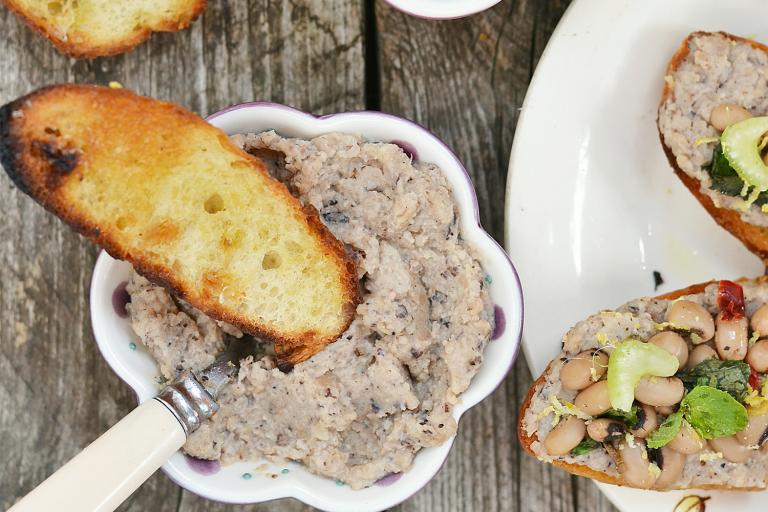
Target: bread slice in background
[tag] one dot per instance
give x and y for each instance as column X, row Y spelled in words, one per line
column 159, row 187
column 754, row 237
column 529, row 438
column 95, row 28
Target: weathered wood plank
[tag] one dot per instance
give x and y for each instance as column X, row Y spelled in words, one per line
column 56, row 392
column 466, row 80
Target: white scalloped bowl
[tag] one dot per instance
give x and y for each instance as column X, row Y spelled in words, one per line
column 441, row 9
column 260, row 481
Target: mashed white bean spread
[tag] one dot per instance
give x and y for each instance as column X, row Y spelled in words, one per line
column 361, row 408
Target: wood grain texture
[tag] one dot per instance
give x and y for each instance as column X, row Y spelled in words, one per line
column 464, row 79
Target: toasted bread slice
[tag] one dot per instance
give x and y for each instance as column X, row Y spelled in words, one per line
column 95, row 28
column 159, row 187
column 638, row 319
column 685, row 155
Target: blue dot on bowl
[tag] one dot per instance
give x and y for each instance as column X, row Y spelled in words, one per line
column 202, row 466
column 500, row 322
column 247, row 476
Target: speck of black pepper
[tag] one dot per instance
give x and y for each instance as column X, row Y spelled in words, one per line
column 657, row 280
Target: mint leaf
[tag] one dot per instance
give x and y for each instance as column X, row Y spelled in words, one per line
column 713, row 413
column 628, row 418
column 729, row 376
column 666, row 431
column 586, row 445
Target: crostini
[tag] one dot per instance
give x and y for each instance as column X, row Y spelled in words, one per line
column 664, row 393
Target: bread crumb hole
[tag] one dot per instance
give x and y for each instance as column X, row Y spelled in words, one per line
column 271, row 260
column 214, row 204
column 54, row 8
column 122, row 223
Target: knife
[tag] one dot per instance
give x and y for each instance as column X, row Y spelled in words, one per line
column 108, row 470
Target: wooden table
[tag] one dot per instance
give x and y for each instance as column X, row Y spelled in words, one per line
column 464, row 79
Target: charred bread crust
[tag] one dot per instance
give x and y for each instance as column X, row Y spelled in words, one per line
column 526, row 441
column 755, row 238
column 39, row 182
column 84, row 50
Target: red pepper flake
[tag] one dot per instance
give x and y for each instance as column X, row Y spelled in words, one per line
column 754, row 379
column 730, row 300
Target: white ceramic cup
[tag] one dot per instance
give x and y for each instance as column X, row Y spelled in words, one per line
column 441, row 9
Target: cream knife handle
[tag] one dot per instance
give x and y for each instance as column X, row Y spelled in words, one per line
column 103, row 475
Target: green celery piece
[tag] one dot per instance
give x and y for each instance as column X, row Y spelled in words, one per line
column 740, row 146
column 630, row 361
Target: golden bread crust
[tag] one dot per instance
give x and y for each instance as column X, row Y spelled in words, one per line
column 51, row 155
column 81, row 45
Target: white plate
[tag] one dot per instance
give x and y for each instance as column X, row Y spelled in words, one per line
column 593, row 207
column 257, row 481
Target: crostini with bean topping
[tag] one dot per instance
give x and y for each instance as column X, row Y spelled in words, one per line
column 713, row 125
column 662, row 393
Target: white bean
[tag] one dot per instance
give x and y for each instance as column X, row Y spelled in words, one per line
column 731, row 449
column 665, row 410
column 688, row 315
column 759, row 320
column 659, row 391
column 594, row 400
column 649, row 422
column 672, row 343
column 726, row 114
column 565, row 436
column 731, row 338
column 635, row 466
column 687, row 441
column 699, row 354
column 672, row 463
column 757, row 356
column 576, row 374
column 753, row 432
column 605, row 429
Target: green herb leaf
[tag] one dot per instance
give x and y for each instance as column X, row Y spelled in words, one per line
column 666, row 431
column 729, row 376
column 586, row 445
column 713, row 413
column 629, row 418
column 726, row 180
